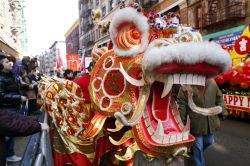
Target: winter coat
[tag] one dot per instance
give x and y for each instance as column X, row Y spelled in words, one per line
column 200, row 124
column 14, row 125
column 10, row 96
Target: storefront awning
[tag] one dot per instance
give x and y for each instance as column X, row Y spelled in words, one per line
column 9, row 50
column 225, row 32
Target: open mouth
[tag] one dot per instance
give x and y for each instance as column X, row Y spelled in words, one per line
column 161, row 121
column 156, row 117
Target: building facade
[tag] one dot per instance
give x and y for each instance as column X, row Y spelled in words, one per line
column 216, row 15
column 72, row 39
column 210, row 17
column 56, row 58
column 89, row 32
column 13, row 33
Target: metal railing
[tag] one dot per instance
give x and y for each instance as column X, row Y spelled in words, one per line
column 44, row 158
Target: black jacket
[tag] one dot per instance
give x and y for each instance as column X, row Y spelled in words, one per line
column 12, row 124
column 9, row 91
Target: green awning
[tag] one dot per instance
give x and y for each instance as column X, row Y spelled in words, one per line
column 225, row 32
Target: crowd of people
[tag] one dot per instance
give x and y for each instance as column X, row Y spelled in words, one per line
column 18, row 91
column 18, row 106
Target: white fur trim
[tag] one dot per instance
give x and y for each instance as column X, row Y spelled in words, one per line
column 129, row 15
column 187, row 53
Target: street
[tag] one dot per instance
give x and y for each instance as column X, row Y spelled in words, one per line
column 231, row 148
column 232, row 145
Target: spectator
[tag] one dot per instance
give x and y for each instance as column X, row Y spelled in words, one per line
column 77, row 74
column 68, row 74
column 10, row 98
column 201, row 126
column 30, row 91
column 89, row 68
column 83, row 82
column 13, row 125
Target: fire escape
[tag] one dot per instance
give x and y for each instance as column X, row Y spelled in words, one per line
column 218, row 13
column 147, row 4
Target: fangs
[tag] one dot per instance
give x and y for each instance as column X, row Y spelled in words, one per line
column 183, row 79
column 160, row 137
column 130, row 79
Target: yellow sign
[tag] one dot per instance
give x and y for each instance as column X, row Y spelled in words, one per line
column 241, row 44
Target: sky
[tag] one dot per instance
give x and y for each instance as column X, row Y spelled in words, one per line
column 48, row 21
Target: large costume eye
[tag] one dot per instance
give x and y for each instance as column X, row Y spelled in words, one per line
column 129, row 34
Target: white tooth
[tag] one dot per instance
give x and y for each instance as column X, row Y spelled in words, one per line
column 199, row 80
column 189, row 79
column 176, row 78
column 183, row 79
column 179, row 137
column 158, row 138
column 195, row 79
column 150, row 130
column 185, row 135
column 147, row 121
column 172, row 138
column 160, row 129
column 167, row 87
column 170, row 79
column 203, row 81
column 166, row 139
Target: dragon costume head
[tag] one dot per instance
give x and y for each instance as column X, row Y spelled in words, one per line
column 132, row 82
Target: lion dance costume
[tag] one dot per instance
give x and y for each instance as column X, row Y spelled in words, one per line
column 131, row 105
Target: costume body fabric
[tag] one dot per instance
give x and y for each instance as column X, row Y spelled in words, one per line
column 131, row 107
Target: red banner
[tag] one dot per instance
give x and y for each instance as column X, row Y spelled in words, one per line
column 237, row 102
column 73, row 61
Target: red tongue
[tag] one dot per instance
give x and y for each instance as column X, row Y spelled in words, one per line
column 159, row 107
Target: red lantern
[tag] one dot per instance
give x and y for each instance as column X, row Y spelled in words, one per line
column 228, row 74
column 239, row 67
column 246, row 68
column 244, row 85
column 220, row 80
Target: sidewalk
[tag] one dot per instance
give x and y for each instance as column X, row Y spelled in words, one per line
column 21, row 144
column 20, row 147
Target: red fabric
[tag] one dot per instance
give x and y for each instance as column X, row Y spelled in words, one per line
column 199, row 68
column 83, row 82
column 74, row 159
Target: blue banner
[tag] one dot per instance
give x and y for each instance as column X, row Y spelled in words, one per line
column 228, row 39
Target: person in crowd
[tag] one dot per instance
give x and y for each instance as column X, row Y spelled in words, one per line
column 90, row 67
column 30, row 90
column 10, row 98
column 13, row 125
column 33, row 81
column 83, row 82
column 211, row 40
column 202, row 127
column 25, row 63
column 68, row 74
column 76, row 74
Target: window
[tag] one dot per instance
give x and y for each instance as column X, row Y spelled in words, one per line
column 198, row 19
column 103, row 11
column 110, row 5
